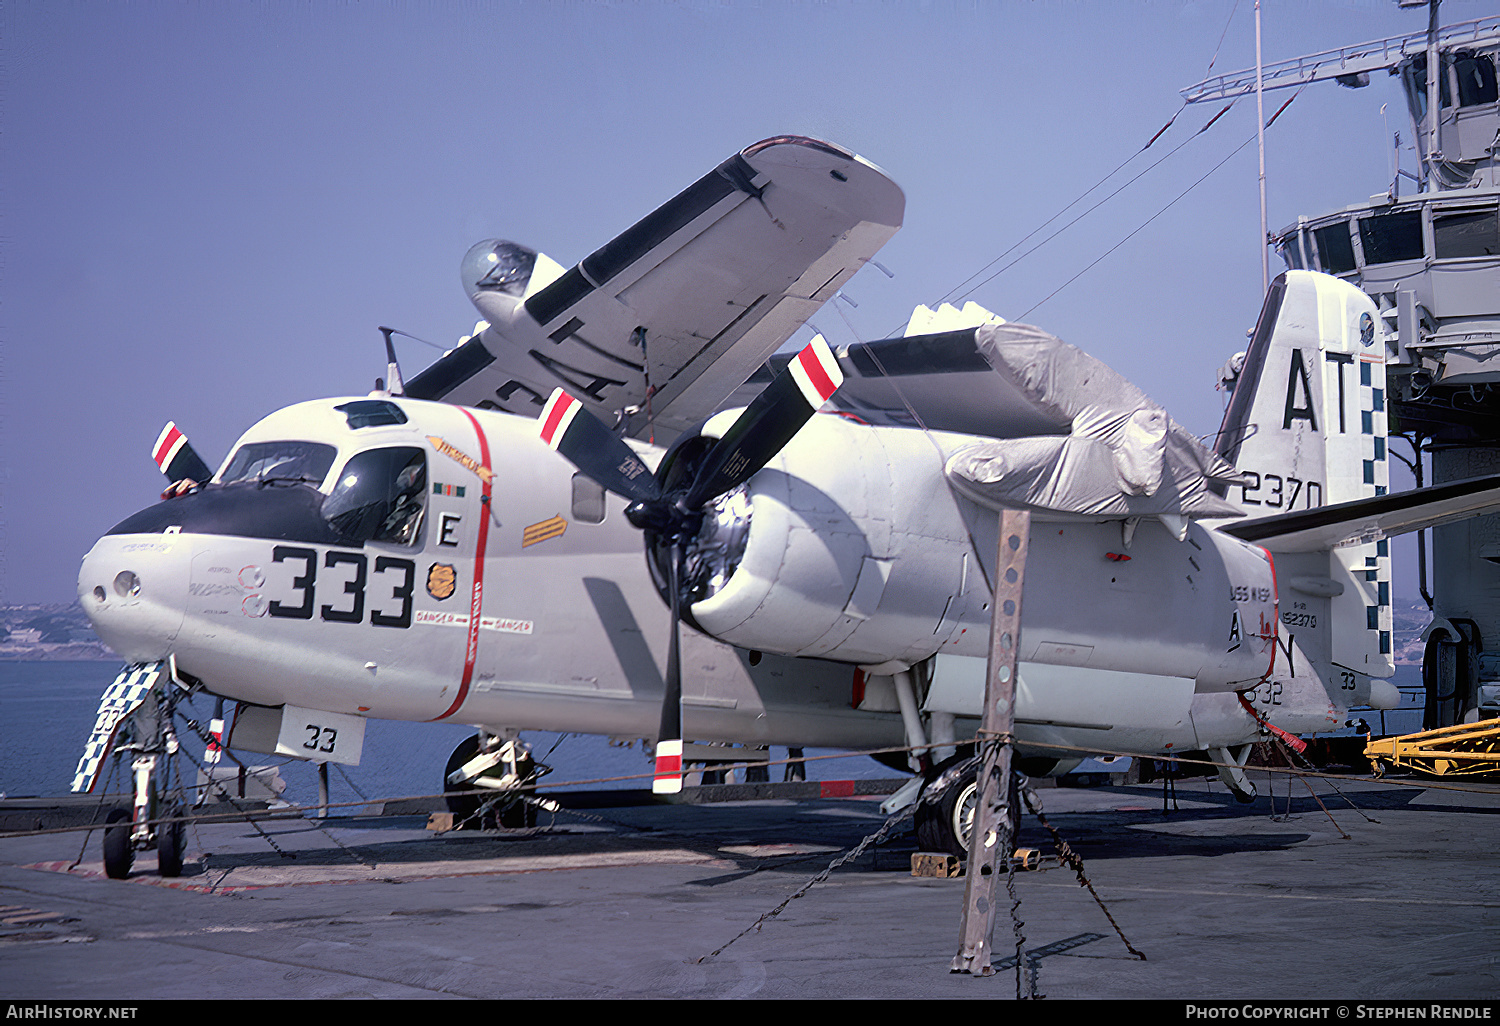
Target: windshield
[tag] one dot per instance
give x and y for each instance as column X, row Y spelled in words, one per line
column 378, row 496
column 305, row 462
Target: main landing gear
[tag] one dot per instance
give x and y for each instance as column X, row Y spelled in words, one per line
column 944, row 816
column 505, row 769
column 944, row 813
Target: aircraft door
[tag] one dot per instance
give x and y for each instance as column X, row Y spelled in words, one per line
column 379, row 504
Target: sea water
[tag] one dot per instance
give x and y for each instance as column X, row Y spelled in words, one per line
column 47, row 710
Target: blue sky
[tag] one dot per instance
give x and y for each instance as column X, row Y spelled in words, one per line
column 206, row 209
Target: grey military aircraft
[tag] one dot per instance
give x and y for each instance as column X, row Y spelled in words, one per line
column 819, row 530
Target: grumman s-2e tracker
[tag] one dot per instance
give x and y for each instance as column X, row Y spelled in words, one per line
column 423, row 553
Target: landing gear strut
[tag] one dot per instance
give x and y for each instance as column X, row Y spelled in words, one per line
column 505, row 769
column 145, row 725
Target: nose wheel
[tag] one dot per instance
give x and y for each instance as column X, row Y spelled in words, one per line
column 135, row 716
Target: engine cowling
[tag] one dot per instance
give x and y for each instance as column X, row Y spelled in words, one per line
column 851, row 546
column 847, row 546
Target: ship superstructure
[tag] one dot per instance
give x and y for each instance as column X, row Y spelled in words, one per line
column 1431, row 261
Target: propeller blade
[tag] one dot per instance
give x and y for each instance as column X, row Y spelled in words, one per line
column 768, row 423
column 758, row 434
column 177, row 458
column 668, row 777
column 596, row 451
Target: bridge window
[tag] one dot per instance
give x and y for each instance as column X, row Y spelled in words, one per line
column 1468, row 233
column 1335, row 250
column 1290, row 249
column 1476, row 79
column 1391, row 237
column 1419, row 85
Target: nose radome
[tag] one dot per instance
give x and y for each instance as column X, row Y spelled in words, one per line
column 133, row 588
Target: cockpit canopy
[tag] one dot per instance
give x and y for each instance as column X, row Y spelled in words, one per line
column 280, row 461
column 378, row 495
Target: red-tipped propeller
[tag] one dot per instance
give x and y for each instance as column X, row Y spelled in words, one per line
column 673, row 513
column 179, row 461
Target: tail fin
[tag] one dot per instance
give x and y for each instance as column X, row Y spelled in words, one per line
column 1306, row 426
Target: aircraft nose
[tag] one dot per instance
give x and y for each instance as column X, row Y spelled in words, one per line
column 133, row 588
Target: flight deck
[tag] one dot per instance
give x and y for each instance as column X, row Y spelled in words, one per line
column 1348, row 891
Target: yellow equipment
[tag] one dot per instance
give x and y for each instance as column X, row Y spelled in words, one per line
column 1463, row 750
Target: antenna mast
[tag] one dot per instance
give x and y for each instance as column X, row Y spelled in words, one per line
column 1260, row 136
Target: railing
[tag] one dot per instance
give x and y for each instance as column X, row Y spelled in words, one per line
column 1348, row 60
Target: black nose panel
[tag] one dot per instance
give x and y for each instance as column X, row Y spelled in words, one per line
column 277, row 511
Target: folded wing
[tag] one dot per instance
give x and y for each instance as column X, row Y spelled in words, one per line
column 662, row 323
column 1064, row 434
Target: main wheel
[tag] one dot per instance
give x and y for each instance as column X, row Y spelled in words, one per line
column 118, row 851
column 171, row 844
column 465, row 807
column 944, row 815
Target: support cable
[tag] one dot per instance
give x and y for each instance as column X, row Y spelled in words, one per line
column 1424, row 783
column 1164, row 157
column 853, row 853
column 1149, row 142
column 207, row 738
column 1071, row 859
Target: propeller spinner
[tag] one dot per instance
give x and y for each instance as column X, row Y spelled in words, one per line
column 670, row 508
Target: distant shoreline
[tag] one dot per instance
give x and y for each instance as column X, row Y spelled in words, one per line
column 69, row 652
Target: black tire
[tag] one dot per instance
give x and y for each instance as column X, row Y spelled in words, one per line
column 943, row 819
column 118, row 851
column 171, row 845
column 517, row 814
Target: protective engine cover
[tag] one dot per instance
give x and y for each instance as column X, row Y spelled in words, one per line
column 858, row 551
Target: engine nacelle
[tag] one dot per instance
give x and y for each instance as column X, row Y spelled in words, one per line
column 854, row 551
column 851, row 546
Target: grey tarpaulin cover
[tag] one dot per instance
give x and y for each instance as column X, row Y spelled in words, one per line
column 1117, row 453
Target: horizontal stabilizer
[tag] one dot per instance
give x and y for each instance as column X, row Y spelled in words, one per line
column 1372, row 519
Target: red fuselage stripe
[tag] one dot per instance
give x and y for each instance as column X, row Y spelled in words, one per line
column 476, row 601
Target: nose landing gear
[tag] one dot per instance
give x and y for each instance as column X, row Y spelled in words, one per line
column 135, row 715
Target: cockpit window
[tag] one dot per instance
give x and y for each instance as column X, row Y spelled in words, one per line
column 297, row 462
column 378, row 496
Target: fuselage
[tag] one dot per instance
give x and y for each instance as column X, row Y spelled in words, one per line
column 423, row 561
